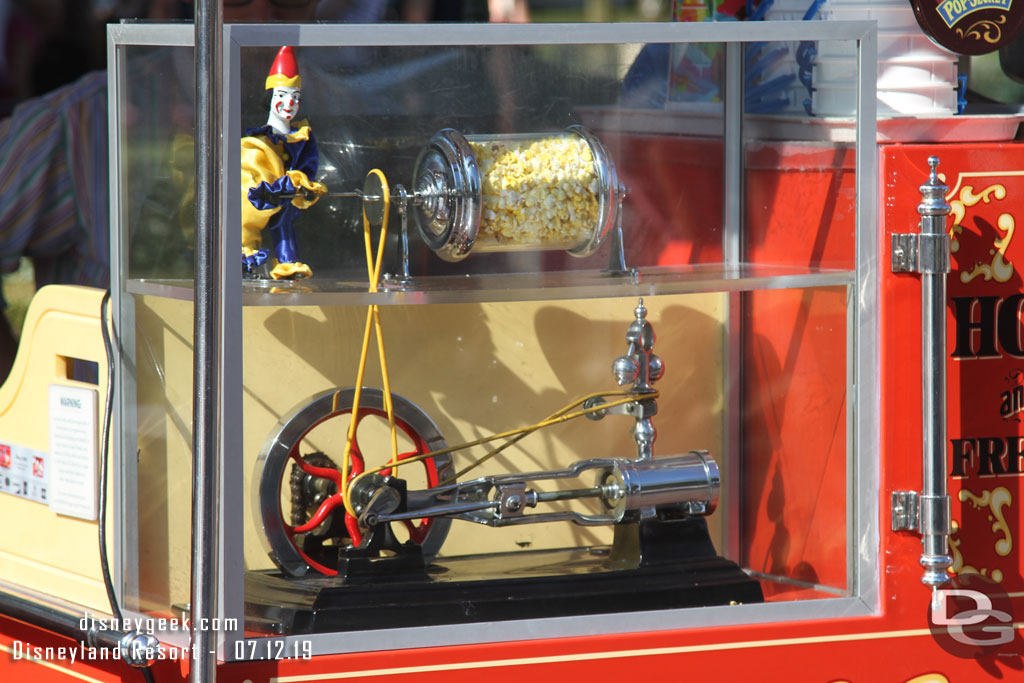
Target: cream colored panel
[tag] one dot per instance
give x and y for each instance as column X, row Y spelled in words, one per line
column 41, row 550
column 480, row 369
column 475, row 369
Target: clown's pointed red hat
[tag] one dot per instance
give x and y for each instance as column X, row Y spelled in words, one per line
column 284, row 71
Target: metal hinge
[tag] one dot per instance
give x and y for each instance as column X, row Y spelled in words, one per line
column 920, row 253
column 906, row 512
column 924, row 514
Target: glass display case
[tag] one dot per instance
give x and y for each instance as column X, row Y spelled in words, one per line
column 454, row 423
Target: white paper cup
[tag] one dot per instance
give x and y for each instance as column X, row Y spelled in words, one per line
column 934, row 99
column 892, row 45
column 892, row 74
column 840, row 99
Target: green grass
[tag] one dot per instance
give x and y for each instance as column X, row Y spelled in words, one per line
column 19, row 287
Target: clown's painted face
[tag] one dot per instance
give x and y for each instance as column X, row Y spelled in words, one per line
column 284, row 103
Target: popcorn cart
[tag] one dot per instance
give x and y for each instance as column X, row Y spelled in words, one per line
column 572, row 388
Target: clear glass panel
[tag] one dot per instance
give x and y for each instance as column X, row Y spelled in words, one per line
column 381, row 108
column 157, row 114
column 162, row 423
column 479, row 360
column 757, row 351
column 472, row 370
column 155, row 111
column 800, row 170
column 796, row 445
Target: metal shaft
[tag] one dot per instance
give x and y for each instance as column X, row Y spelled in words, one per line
column 206, row 334
column 572, row 494
column 935, row 508
column 397, row 196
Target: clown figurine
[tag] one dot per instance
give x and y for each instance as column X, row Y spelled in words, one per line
column 279, row 162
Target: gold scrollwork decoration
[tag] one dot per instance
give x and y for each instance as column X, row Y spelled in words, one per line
column 999, row 269
column 959, row 567
column 968, row 197
column 985, row 29
column 995, row 500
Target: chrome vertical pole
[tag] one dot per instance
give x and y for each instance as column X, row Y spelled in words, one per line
column 732, row 252
column 206, row 335
column 934, row 505
column 732, row 207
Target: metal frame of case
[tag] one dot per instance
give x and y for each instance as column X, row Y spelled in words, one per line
column 218, row 329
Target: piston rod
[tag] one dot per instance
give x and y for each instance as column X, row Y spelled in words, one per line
column 625, row 488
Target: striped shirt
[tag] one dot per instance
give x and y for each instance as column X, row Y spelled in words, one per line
column 53, row 180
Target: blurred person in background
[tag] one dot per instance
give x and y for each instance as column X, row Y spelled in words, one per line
column 53, row 148
column 43, row 45
column 508, row 11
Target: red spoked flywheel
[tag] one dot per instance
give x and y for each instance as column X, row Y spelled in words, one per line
column 283, row 444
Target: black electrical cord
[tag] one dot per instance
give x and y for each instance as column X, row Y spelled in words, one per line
column 108, row 583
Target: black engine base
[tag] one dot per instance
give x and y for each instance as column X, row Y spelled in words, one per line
column 653, row 565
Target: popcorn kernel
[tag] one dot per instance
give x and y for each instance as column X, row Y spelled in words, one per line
column 539, row 193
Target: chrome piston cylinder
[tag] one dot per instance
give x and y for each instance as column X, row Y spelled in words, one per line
column 691, row 481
